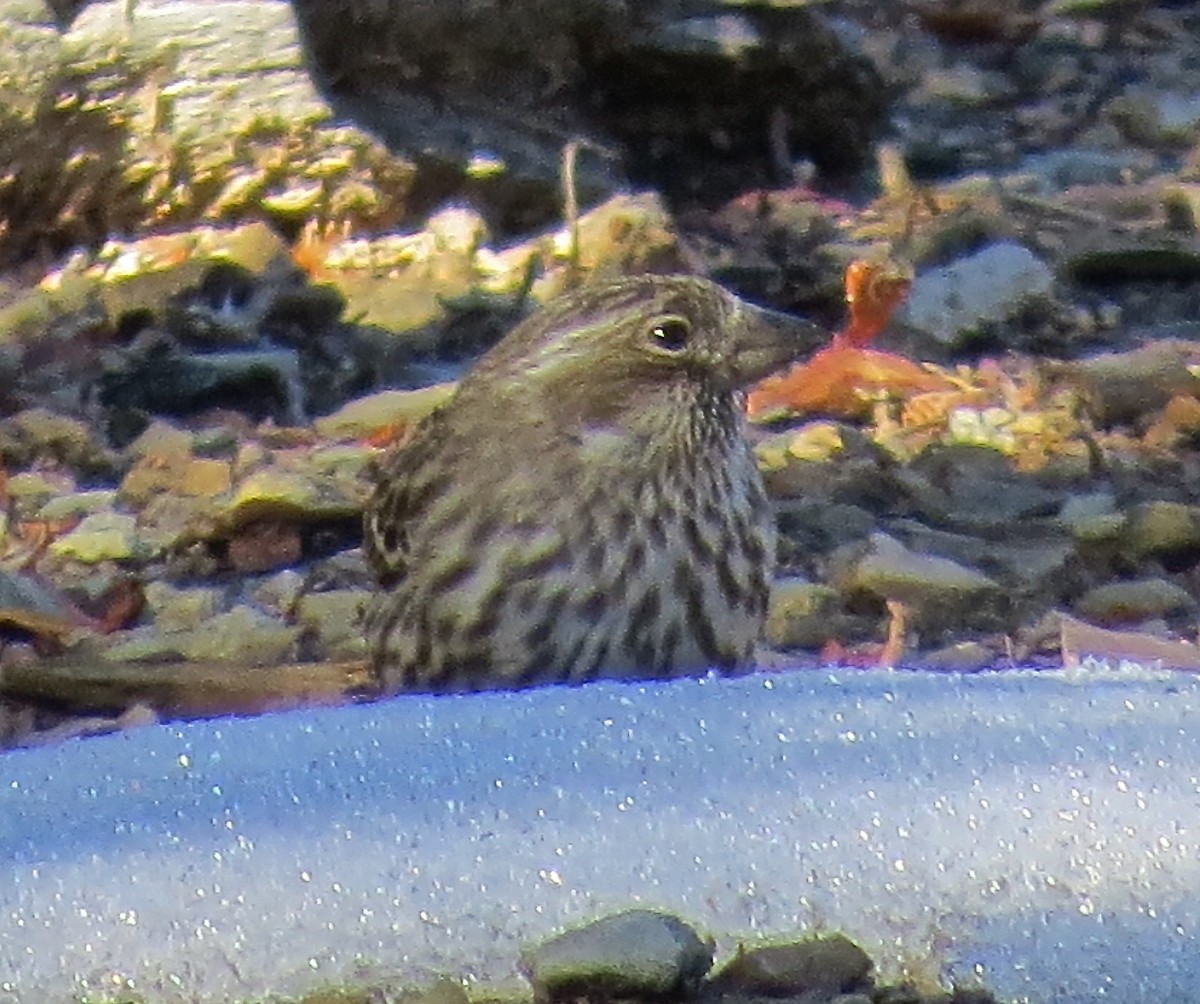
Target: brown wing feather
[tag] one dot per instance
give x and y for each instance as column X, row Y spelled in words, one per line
column 405, row 482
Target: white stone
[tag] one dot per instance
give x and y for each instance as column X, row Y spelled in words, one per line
column 985, row 286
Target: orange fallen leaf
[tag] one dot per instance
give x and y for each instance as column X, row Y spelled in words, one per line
column 844, row 377
column 392, row 434
column 314, row 244
column 874, row 290
column 865, row 656
column 869, row 655
column 841, row 380
column 897, row 634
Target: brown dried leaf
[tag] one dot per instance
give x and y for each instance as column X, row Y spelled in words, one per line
column 1080, row 640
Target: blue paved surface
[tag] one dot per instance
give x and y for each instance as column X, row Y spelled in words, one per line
column 1039, row 831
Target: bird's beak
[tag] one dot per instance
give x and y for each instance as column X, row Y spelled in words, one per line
column 768, row 340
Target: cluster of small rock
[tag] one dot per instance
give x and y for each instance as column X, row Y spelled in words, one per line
column 649, row 955
column 240, row 545
column 984, row 559
column 190, row 416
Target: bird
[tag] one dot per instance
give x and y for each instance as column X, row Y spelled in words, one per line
column 586, row 505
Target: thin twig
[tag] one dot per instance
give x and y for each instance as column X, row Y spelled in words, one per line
column 571, row 208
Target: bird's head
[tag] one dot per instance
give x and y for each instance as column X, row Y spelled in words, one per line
column 615, row 350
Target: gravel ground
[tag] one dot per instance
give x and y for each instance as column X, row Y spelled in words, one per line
column 1008, row 475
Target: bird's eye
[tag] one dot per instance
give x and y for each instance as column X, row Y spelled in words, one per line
column 670, row 334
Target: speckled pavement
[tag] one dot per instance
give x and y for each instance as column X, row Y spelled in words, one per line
column 1034, row 831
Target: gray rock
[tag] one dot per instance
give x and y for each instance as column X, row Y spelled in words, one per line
column 344, row 570
column 1157, row 116
column 347, row 461
column 23, row 593
column 161, row 439
column 1031, row 555
column 800, row 613
column 1092, row 516
column 38, row 433
column 824, row 966
column 961, row 657
column 386, row 408
column 290, row 496
column 145, row 644
column 267, row 383
column 278, row 593
column 637, row 953
column 1161, row 528
column 77, row 504
column 1056, row 170
column 948, row 303
column 975, row 489
column 31, row 43
column 822, row 526
column 29, row 491
column 180, row 609
column 1135, row 600
column 730, row 35
column 335, row 617
column 685, row 99
column 243, row 63
column 242, row 636
column 103, row 536
column 1124, row 387
column 168, row 522
column 1038, row 562
column 961, row 84
column 858, row 472
column 891, row 571
column 217, row 75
